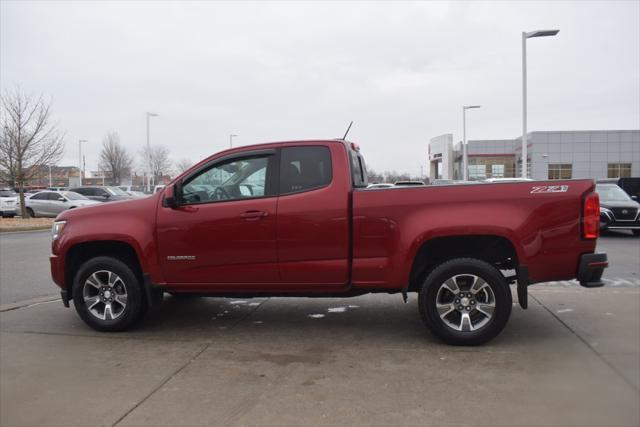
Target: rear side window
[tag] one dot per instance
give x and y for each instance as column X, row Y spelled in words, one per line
column 358, row 170
column 304, row 169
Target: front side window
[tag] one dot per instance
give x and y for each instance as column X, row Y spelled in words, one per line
column 230, row 180
column 40, row 196
column 560, row 171
column 304, row 168
column 85, row 191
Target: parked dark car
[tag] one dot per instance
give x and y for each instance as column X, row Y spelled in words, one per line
column 102, row 194
column 631, row 185
column 618, row 211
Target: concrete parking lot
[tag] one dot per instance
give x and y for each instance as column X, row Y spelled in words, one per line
column 572, row 358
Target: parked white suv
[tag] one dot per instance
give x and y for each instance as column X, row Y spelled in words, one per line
column 8, row 203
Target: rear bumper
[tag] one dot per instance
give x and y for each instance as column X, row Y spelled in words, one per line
column 590, row 269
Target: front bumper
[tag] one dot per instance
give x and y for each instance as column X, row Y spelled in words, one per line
column 590, row 269
column 609, row 222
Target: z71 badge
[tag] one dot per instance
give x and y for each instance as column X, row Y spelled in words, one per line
column 550, row 189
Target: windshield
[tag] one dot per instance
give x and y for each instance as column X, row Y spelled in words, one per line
column 71, row 195
column 7, row 193
column 115, row 191
column 612, row 193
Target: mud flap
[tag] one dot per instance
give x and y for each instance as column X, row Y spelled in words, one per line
column 522, row 273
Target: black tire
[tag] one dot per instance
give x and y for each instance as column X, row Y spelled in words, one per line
column 136, row 305
column 461, row 267
column 636, row 232
column 30, row 213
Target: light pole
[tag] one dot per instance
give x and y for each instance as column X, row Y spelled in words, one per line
column 231, row 139
column 149, row 151
column 525, row 36
column 465, row 155
column 80, row 141
column 50, row 184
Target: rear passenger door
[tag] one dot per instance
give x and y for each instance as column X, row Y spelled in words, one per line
column 313, row 218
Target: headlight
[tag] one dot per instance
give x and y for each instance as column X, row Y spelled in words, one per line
column 56, row 229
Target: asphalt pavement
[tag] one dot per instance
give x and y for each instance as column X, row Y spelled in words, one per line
column 571, row 358
column 24, row 266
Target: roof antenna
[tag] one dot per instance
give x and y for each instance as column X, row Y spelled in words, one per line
column 347, row 132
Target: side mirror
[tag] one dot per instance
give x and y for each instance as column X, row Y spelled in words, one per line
column 62, row 199
column 172, row 200
column 635, row 198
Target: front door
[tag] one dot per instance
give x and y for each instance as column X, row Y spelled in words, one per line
column 222, row 236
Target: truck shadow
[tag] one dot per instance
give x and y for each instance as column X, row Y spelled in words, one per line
column 368, row 320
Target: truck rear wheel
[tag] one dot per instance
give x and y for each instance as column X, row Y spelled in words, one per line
column 107, row 295
column 465, row 301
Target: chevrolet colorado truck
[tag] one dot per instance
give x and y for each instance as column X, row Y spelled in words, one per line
column 296, row 219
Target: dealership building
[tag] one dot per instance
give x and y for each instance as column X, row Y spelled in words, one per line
column 593, row 154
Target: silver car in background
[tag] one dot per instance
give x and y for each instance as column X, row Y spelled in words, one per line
column 51, row 203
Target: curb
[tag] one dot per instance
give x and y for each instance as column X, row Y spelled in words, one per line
column 24, row 229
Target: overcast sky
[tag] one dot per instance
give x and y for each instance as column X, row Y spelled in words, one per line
column 287, row 70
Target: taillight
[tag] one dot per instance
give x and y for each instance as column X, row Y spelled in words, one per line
column 591, row 217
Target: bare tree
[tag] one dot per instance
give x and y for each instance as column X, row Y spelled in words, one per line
column 29, row 140
column 183, row 164
column 157, row 160
column 114, row 158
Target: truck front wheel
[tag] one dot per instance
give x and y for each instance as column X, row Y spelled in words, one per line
column 465, row 301
column 107, row 295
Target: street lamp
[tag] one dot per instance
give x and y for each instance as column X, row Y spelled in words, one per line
column 465, row 155
column 149, row 151
column 80, row 141
column 525, row 36
column 231, row 139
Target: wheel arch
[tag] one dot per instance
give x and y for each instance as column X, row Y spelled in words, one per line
column 495, row 249
column 79, row 253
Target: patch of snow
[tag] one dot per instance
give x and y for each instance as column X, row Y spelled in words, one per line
column 237, row 302
column 337, row 310
column 565, row 310
column 316, row 316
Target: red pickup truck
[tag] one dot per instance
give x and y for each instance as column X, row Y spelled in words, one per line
column 297, row 219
